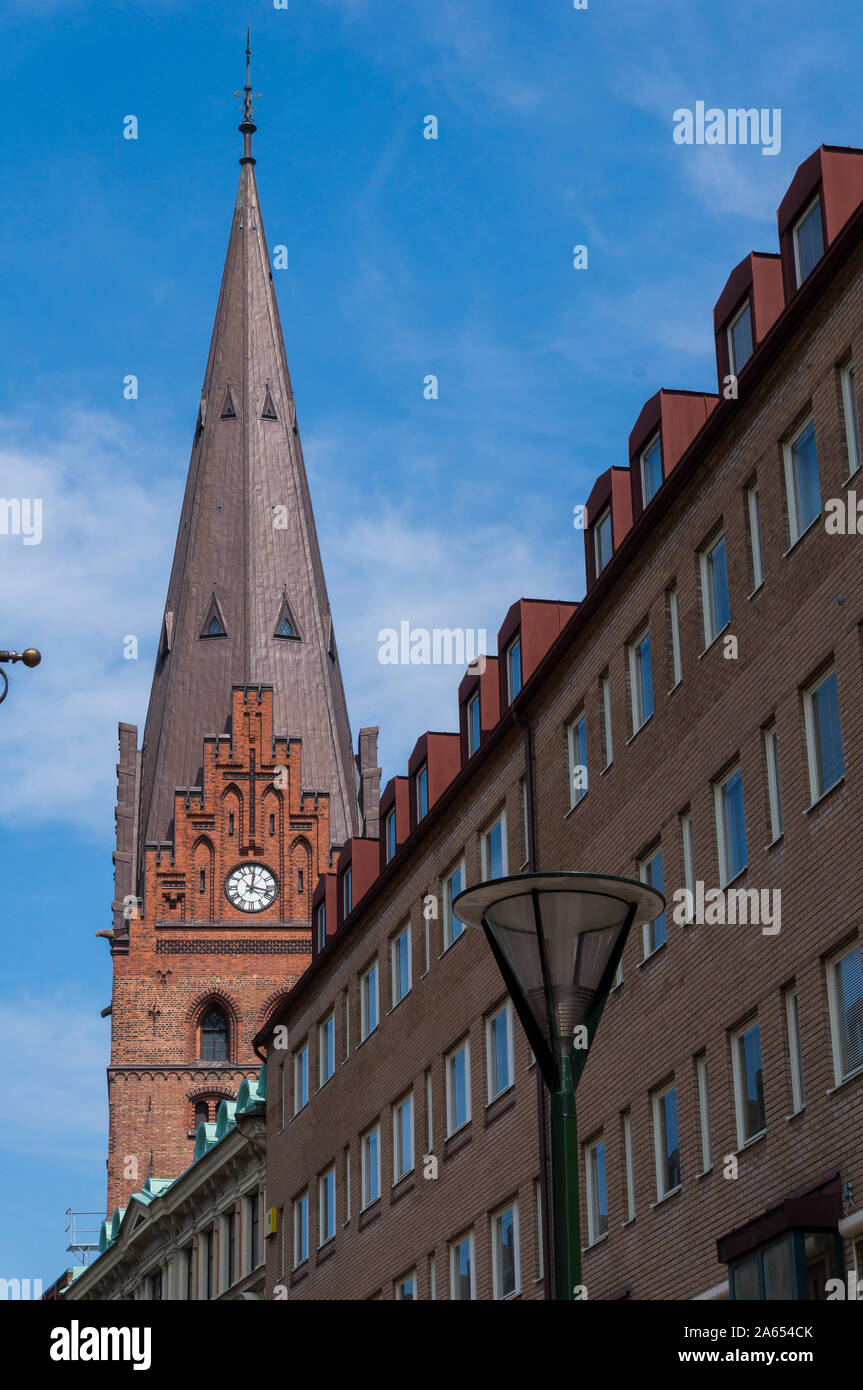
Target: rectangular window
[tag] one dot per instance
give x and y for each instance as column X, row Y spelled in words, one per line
column 327, row 1206
column 301, row 1229
column 458, row 1088
column 429, row 1113
column 347, row 998
column 390, row 834
column 371, row 1165
column 792, row 1021
column 823, row 735
column 650, row 871
column 537, row 1204
column 401, row 964
column 301, row 1078
column 190, row 1273
column 499, row 1051
column 473, row 724
column 369, row 1001
column 211, row 1255
column 688, row 860
column 714, row 590
column 852, row 418
column 347, row 897
column 321, row 919
column 506, row 1278
column 605, row 700
column 802, row 484
column 493, row 846
column 254, row 1211
column 666, row 1142
column 628, row 1166
column 703, row 1111
column 651, row 469
column 576, row 737
column 740, row 339
column 641, row 680
column 453, row 884
column 808, row 241
column 525, row 829
column 730, row 827
column 597, row 1197
column 406, row 1288
column 462, row 1271
column 513, row 669
column 748, row 1082
column 403, row 1138
column 347, row 1183
column 845, row 989
column 421, row 782
column 603, row 544
column 326, row 1049
column 674, row 638
column 756, row 545
column 774, row 799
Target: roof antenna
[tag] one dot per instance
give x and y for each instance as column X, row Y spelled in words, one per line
column 247, row 126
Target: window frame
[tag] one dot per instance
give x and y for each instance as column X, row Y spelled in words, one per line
column 576, row 734
column 447, row 895
column 595, row 1231
column 390, row 824
column 648, row 931
column 723, row 841
column 660, row 1132
column 816, row 791
column 421, row 791
column 605, row 701
column 300, row 1210
column 655, row 439
column 796, row 528
column 346, row 885
column 687, row 846
column 636, row 683
column 454, row 1245
column 365, row 1000
column 301, row 1060
column 326, row 1191
column 709, row 605
column 474, row 736
column 603, row 518
column 774, row 782
column 321, row 924
column 449, row 1060
column 398, row 1106
column 396, row 958
column 832, row 962
column 756, row 536
column 366, row 1171
column 745, row 308
column 497, row 1251
column 851, row 416
column 674, row 627
column 795, row 238
column 738, row 1077
column 485, row 847
column 512, row 690
column 326, row 1048
column 491, row 1051
column 791, row 1003
column 628, row 1166
column 702, row 1092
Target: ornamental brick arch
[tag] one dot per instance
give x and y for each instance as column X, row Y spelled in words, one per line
column 209, row 1002
column 203, row 879
column 300, row 888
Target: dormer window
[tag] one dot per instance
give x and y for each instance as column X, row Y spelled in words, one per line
column 390, row 834
column 346, row 893
column 422, row 790
column 602, row 540
column 473, row 726
column 321, row 919
column 651, row 469
column 808, row 241
column 513, row 669
column 740, row 338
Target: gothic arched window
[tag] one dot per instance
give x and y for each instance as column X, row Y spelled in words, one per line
column 214, row 1036
column 202, row 1113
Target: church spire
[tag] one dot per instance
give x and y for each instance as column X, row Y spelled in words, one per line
column 246, row 555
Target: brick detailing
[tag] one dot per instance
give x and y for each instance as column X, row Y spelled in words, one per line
column 302, row 947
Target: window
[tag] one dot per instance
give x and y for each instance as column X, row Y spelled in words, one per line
column 576, row 736
column 774, row 801
column 301, row 1229
column 254, row 1214
column 370, row 1151
column 190, row 1272
column 650, row 872
column 714, row 590
column 202, row 1113
column 421, row 783
column 214, row 1036
column 369, row 1001
column 202, row 881
column 603, row 544
column 473, row 724
column 230, row 1231
column 400, row 947
column 703, row 1111
column 802, row 483
column 321, row 920
column 390, row 834
column 156, row 1286
column 852, row 418
column 740, row 338
column 537, row 1206
column 499, row 1051
column 597, row 1198
column 753, row 507
column 326, row 1206
column 506, row 1278
column 688, row 861
column 666, row 1142
column 458, row 1088
column 429, row 1113
column 493, row 847
column 845, row 989
column 674, row 636
column 347, row 1183
column 301, row 1078
column 730, row 827
column 808, row 241
column 651, row 470
column 346, row 893
column 525, row 828
column 230, row 822
column 797, row 1266
column 628, row 1166
column 748, row 1082
column 210, row 1244
column 403, row 1138
column 641, row 681
column 462, row 1273
column 453, row 884
column 823, row 735
column 406, row 1288
column 513, row 668
column 605, row 700
column 327, row 1049
column 792, row 1020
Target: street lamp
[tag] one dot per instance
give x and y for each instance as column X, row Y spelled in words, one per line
column 557, row 939
column 30, row 657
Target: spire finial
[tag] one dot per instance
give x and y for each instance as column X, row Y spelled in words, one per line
column 247, row 126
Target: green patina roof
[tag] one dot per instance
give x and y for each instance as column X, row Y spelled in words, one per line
column 225, row 1119
column 153, row 1187
column 204, row 1139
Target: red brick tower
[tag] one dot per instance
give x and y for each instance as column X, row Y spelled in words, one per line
column 246, row 777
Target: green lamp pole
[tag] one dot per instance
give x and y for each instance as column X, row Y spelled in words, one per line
column 557, row 939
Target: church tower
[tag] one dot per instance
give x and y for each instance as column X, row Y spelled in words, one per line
column 246, row 780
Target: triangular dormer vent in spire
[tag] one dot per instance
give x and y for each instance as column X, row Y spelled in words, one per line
column 286, row 624
column 167, row 634
column 269, row 410
column 228, row 411
column 214, row 623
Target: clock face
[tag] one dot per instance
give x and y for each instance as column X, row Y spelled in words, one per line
column 251, row 887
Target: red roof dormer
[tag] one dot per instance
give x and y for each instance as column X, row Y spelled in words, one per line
column 395, row 819
column 483, row 686
column 434, row 763
column 825, row 191
column 666, row 427
column 608, row 518
column 356, row 871
column 746, row 310
column 528, row 630
column 324, row 914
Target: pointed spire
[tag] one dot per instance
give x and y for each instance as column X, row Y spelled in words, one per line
column 247, row 126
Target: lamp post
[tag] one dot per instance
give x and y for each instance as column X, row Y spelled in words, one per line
column 30, row 657
column 557, row 939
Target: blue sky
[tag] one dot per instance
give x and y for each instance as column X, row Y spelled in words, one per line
column 406, row 257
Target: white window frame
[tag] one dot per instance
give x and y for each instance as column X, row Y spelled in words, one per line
column 636, row 688
column 703, row 1094
column 491, row 1054
column 795, row 237
column 324, row 1052
column 537, row 1204
column 300, row 1209
column 851, row 412
column 366, row 1171
column 591, row 1183
column 347, row 891
column 644, row 874
column 722, row 838
column 688, row 861
column 390, row 821
column 511, row 693
column 323, row 1189
column 737, row 1073
column 604, row 516
column 473, row 704
column 524, row 825
column 429, row 1113
column 756, row 539
column 658, row 1133
column 745, row 308
column 795, row 522
column 399, row 1287
column 398, row 1107
column 834, row 1004
column 629, row 1166
column 605, row 697
column 497, row 1251
column 485, row 847
column 395, row 956
column 452, row 1128
column 365, row 997
column 708, row 590
column 321, row 924
column 795, row 1061
column 816, row 791
column 655, row 439
column 577, row 794
column 447, row 895
column 774, row 784
column 299, row 1065
column 421, row 782
column 674, row 623
column 453, row 1248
